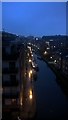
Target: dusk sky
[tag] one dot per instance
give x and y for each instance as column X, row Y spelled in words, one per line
column 36, row 19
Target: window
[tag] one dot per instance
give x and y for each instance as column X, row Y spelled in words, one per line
column 12, row 65
column 5, row 64
column 6, row 78
column 7, row 101
column 8, row 50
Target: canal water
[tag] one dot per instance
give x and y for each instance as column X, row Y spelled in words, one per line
column 52, row 103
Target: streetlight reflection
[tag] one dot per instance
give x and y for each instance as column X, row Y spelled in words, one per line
column 30, row 94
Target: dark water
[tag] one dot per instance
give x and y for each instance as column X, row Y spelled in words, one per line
column 52, row 103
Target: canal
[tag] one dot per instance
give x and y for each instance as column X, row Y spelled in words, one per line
column 52, row 103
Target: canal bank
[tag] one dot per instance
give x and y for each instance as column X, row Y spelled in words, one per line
column 62, row 79
column 52, row 102
column 58, row 72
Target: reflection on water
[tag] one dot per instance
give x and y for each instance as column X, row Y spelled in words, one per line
column 51, row 100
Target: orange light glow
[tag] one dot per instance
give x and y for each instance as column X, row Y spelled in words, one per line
column 30, row 94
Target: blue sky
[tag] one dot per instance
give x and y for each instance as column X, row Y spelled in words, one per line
column 36, row 18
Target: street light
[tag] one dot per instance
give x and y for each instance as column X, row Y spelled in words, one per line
column 31, row 71
column 48, row 48
column 29, row 60
column 51, row 57
column 30, row 96
column 55, row 61
column 21, row 101
column 45, row 52
column 19, row 118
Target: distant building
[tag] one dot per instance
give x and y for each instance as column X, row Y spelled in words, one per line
column 65, row 65
column 57, row 57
